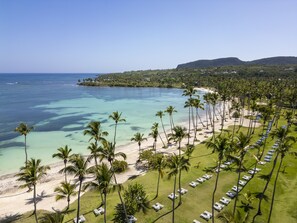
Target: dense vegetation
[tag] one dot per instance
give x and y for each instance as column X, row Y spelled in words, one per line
column 208, row 77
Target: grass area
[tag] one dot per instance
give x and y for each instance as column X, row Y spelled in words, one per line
column 199, row 199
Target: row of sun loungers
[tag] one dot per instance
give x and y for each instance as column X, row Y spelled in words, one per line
column 99, row 211
column 200, row 180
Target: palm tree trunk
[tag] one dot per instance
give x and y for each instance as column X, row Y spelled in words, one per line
column 214, row 191
column 158, row 183
column 173, row 202
column 26, row 150
column 179, row 185
column 65, row 171
column 162, row 140
column 223, row 118
column 233, row 131
column 35, row 203
column 164, row 130
column 189, row 125
column 78, row 201
column 238, row 178
column 68, row 202
column 213, row 127
column 172, row 121
column 104, row 207
column 274, row 188
column 206, row 117
column 115, row 133
column 259, row 212
column 119, row 193
column 200, row 118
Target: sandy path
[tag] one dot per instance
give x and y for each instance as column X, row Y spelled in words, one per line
column 17, row 201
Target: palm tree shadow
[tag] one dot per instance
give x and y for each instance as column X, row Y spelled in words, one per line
column 38, row 198
column 10, row 218
column 161, row 216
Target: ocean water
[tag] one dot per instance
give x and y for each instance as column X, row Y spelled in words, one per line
column 59, row 110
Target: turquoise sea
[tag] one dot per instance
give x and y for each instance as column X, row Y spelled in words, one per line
column 59, row 110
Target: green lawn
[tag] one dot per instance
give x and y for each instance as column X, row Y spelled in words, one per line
column 199, row 199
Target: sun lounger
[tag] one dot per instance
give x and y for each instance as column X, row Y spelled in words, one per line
column 231, row 194
column 80, row 219
column 206, row 215
column 200, row 180
column 157, row 206
column 172, row 196
column 131, row 219
column 193, row 184
column 182, row 191
column 242, row 182
column 225, row 200
column 234, row 188
column 207, row 176
column 218, row 207
column 196, row 221
column 246, row 177
column 99, row 211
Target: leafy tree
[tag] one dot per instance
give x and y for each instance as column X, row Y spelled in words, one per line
column 179, row 134
column 53, row 217
column 24, row 130
column 30, row 174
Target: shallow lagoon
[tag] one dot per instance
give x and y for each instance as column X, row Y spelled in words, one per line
column 59, row 110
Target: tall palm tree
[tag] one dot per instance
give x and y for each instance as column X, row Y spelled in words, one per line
column 160, row 114
column 159, row 164
column 78, row 166
column 102, row 182
column 108, row 153
column 198, row 105
column 213, row 101
column 189, row 104
column 117, row 117
column 221, row 145
column 65, row 191
column 154, row 133
column 95, row 132
column 64, row 154
column 31, row 174
column 94, row 150
column 170, row 110
column 282, row 135
column 173, row 165
column 138, row 137
column 24, row 130
column 241, row 146
column 283, row 149
column 206, row 98
column 179, row 133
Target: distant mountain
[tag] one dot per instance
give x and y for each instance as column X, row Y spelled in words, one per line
column 234, row 61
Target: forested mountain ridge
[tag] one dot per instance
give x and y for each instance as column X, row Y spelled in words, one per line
column 206, row 77
column 233, row 61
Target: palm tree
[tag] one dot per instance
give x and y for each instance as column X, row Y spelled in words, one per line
column 198, row 105
column 95, row 132
column 241, row 146
column 221, row 145
column 78, row 166
column 173, row 164
column 170, row 110
column 52, row 217
column 94, row 150
column 65, row 191
column 189, row 104
column 30, row 174
column 247, row 205
column 159, row 164
column 138, row 137
column 213, row 101
column 64, row 154
column 24, row 130
column 116, row 116
column 227, row 216
column 283, row 149
column 154, row 133
column 160, row 114
column 102, row 182
column 179, row 134
column 108, row 153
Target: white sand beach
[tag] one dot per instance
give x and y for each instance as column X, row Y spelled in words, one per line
column 17, row 201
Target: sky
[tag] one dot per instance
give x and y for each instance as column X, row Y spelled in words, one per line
column 102, row 36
